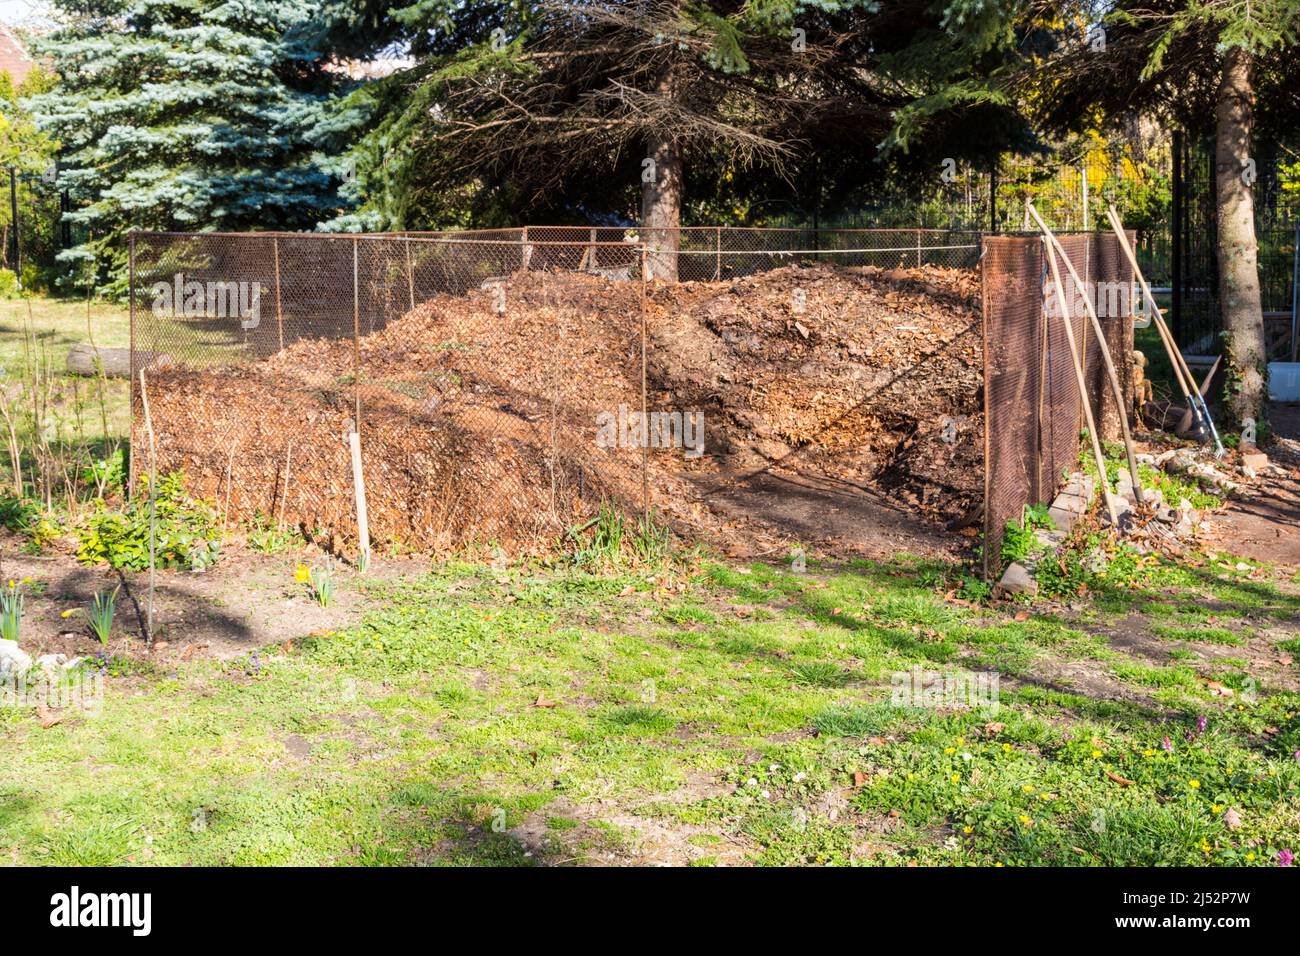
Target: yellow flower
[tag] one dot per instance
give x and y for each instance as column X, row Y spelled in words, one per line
column 302, row 573
column 1025, row 820
column 1250, row 857
column 950, row 750
column 967, row 829
column 961, row 740
column 1215, row 808
column 998, row 864
column 1096, row 755
column 1028, row 788
column 1148, row 753
column 1006, row 748
column 69, row 612
column 956, row 778
column 1194, row 784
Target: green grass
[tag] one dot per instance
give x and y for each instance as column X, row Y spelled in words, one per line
column 749, row 712
column 56, row 325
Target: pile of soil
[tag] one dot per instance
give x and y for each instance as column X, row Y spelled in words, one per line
column 479, row 412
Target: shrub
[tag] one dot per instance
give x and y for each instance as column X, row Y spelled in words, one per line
column 186, row 535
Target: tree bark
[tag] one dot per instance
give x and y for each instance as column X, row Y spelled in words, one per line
column 661, row 195
column 1238, row 251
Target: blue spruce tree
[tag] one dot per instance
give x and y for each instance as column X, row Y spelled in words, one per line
column 190, row 115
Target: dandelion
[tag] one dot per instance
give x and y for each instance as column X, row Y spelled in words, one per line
column 950, row 750
column 1215, row 808
column 968, row 830
column 1006, row 748
column 1028, row 788
column 1285, row 858
column 956, row 778
column 1096, row 755
column 1027, row 821
column 1194, row 784
column 1250, row 857
column 68, row 613
column 1148, row 752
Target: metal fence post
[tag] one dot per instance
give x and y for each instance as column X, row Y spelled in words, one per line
column 279, row 314
column 356, row 335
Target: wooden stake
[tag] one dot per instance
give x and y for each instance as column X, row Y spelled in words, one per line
column 230, row 467
column 1083, row 385
column 284, row 496
column 359, row 490
column 1106, row 358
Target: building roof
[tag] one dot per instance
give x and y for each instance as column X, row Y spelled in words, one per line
column 14, row 58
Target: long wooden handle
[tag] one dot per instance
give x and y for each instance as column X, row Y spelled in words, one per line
column 1106, row 357
column 1185, row 385
column 1083, row 387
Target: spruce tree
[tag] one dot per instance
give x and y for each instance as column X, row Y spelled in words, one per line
column 188, row 115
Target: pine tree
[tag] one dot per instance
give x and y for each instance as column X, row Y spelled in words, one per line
column 188, row 115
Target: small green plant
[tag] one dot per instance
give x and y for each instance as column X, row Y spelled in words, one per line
column 363, row 561
column 265, row 538
column 108, row 474
column 11, row 610
column 319, row 581
column 100, row 614
column 610, row 537
column 1018, row 536
column 185, row 532
column 599, row 541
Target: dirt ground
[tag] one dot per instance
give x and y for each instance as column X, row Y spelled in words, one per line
column 1263, row 522
column 245, row 601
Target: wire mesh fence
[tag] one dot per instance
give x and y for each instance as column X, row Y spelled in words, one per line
column 262, row 353
column 1033, row 405
column 476, row 366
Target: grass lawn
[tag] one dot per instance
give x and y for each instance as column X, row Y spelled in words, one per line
column 691, row 712
column 43, row 328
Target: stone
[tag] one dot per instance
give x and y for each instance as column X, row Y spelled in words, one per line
column 1180, row 461
column 1016, row 579
column 1255, row 460
column 14, row 661
column 51, row 664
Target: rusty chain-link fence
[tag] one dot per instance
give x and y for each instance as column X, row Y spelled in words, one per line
column 474, row 366
column 472, row 384
column 1033, row 408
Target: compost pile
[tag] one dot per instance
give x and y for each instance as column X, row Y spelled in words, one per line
column 479, row 412
column 865, row 375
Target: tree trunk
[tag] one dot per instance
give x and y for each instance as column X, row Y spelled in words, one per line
column 661, row 208
column 661, row 196
column 1238, row 252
